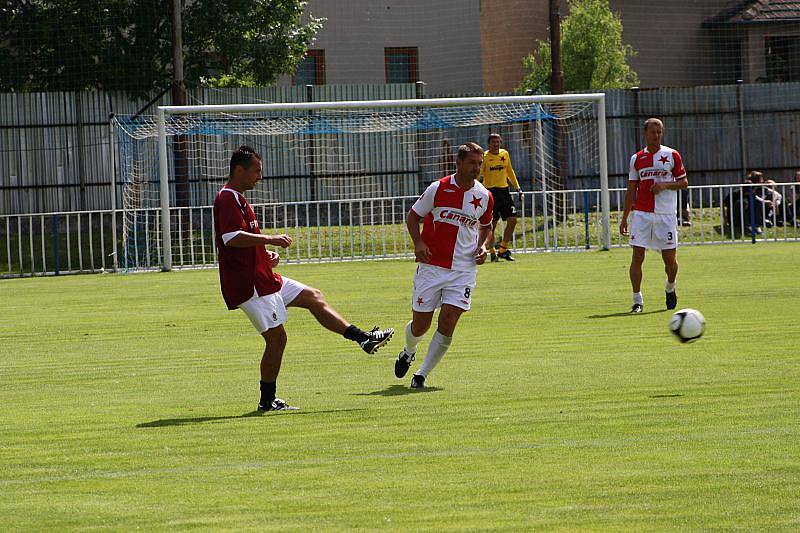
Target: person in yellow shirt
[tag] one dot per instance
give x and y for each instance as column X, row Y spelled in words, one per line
column 496, row 175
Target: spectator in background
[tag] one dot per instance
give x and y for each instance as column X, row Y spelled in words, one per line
column 684, row 213
column 760, row 206
column 732, row 207
column 774, row 199
column 736, row 206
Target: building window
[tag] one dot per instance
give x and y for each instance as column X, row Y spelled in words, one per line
column 401, row 65
column 311, row 70
column 782, row 57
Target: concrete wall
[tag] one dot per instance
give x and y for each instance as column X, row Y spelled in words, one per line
column 472, row 46
column 673, row 49
column 509, row 30
column 446, row 33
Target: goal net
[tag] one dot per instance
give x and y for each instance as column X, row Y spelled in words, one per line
column 332, row 169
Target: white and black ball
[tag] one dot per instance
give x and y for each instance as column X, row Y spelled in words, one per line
column 687, row 325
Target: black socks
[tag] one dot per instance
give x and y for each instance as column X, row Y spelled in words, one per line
column 354, row 334
column 267, row 392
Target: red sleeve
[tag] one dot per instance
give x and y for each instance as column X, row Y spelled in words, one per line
column 229, row 214
column 678, row 171
column 486, row 218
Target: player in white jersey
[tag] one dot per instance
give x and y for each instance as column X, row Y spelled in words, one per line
column 656, row 174
column 457, row 213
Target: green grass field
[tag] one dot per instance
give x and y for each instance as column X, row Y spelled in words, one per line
column 128, row 403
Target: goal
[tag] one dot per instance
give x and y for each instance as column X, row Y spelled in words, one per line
column 350, row 164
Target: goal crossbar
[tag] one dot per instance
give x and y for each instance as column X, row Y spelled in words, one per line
column 597, row 98
column 378, row 104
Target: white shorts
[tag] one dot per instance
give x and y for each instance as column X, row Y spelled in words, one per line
column 434, row 286
column 654, row 231
column 267, row 312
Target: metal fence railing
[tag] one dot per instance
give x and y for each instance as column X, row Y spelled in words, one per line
column 58, row 243
column 366, row 229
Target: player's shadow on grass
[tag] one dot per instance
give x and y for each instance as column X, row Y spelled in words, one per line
column 252, row 414
column 397, row 390
column 628, row 313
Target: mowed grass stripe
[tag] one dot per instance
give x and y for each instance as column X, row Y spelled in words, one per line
column 128, row 400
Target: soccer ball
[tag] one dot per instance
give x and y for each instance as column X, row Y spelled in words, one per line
column 687, row 325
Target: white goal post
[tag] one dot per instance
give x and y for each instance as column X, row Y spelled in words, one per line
column 167, row 115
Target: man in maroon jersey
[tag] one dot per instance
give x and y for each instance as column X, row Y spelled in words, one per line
column 249, row 283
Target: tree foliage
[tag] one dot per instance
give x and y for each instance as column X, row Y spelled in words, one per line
column 52, row 45
column 593, row 55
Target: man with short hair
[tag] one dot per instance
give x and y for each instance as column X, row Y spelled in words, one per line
column 249, row 283
column 655, row 175
column 496, row 174
column 457, row 214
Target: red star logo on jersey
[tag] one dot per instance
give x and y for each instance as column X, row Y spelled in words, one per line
column 502, row 158
column 420, row 301
column 663, row 159
column 476, row 201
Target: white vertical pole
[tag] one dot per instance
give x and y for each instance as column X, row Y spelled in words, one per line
column 112, row 146
column 540, row 157
column 603, row 157
column 163, row 171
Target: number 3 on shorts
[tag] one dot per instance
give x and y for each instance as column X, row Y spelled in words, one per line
column 467, row 292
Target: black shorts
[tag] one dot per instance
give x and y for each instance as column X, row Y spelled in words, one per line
column 503, row 204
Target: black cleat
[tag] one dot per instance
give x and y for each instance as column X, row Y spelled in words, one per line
column 637, row 308
column 506, row 255
column 418, row 381
column 403, row 363
column 377, row 338
column 672, row 300
column 277, row 405
column 493, row 258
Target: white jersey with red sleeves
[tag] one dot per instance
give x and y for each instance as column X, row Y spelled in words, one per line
column 452, row 216
column 665, row 165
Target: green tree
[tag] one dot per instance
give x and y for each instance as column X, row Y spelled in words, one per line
column 52, row 45
column 593, row 56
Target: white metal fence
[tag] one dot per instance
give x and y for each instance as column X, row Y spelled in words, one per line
column 368, row 229
column 58, row 243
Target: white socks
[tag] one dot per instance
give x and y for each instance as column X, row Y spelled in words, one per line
column 436, row 350
column 411, row 341
column 637, row 296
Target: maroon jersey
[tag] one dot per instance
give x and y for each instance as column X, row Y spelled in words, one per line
column 242, row 271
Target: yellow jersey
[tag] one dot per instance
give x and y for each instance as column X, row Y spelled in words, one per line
column 497, row 171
